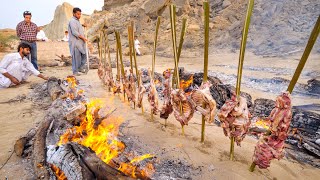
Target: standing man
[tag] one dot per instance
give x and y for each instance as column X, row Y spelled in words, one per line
column 27, row 33
column 77, row 43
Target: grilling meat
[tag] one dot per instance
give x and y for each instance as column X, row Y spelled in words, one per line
column 270, row 146
column 101, row 71
column 235, row 118
column 153, row 96
column 131, row 89
column 108, row 78
column 141, row 90
column 203, row 102
column 184, row 114
column 116, row 89
column 166, row 108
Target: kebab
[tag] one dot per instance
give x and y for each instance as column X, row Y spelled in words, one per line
column 271, row 144
column 141, row 90
column 203, row 102
column 234, row 114
column 166, row 108
column 153, row 96
column 131, row 87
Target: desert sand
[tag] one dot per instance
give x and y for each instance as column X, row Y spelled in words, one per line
column 165, row 142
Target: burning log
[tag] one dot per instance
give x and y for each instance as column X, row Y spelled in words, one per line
column 25, row 142
column 54, row 88
column 78, row 162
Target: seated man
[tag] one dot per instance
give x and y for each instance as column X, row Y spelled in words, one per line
column 66, row 37
column 41, row 36
column 16, row 68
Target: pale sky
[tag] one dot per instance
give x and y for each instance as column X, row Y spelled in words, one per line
column 42, row 10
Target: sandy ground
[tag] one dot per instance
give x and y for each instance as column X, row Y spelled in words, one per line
column 212, row 156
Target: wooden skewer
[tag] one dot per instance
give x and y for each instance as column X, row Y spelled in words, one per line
column 183, row 32
column 241, row 59
column 206, row 57
column 130, row 51
column 121, row 61
column 135, row 59
column 109, row 58
column 312, row 39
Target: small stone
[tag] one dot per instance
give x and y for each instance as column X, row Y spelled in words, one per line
column 318, row 141
column 211, row 168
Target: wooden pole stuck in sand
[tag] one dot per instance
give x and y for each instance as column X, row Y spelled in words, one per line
column 154, row 52
column 121, row 61
column 175, row 54
column 135, row 58
column 175, row 78
column 183, row 32
column 206, row 57
column 241, row 59
column 109, row 57
column 130, row 46
column 87, row 50
column 312, row 39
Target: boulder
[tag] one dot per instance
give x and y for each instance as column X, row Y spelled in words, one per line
column 62, row 15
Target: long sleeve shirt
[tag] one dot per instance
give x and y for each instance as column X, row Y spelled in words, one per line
column 75, row 29
column 17, row 67
column 27, row 32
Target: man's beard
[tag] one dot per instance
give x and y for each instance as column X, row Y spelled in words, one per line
column 25, row 54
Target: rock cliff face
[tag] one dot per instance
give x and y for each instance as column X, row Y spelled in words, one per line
column 112, row 3
column 63, row 13
column 278, row 27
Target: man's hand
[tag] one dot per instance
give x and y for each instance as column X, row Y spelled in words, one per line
column 43, row 77
column 14, row 80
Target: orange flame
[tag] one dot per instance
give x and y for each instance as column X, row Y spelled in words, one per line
column 58, row 172
column 265, row 124
column 103, row 139
column 184, row 84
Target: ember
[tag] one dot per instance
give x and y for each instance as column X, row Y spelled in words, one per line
column 102, row 139
column 59, row 174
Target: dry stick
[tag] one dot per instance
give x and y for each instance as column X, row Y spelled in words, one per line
column 174, row 45
column 121, row 61
column 87, row 50
column 130, row 51
column 206, row 57
column 109, row 58
column 154, row 52
column 130, row 46
column 183, row 32
column 241, row 59
column 135, row 59
column 312, row 39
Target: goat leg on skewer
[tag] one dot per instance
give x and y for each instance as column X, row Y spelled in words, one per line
column 182, row 108
column 203, row 101
column 153, row 96
column 141, row 90
column 166, row 108
column 131, row 89
column 235, row 118
column 270, row 146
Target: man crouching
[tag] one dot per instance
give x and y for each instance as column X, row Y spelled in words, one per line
column 16, row 68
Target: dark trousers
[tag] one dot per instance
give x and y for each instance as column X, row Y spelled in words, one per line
column 33, row 58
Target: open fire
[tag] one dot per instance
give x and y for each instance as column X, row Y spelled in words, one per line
column 99, row 133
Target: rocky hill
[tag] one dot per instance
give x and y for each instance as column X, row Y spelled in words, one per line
column 62, row 15
column 278, row 27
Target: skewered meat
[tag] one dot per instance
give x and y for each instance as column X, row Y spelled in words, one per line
column 185, row 113
column 131, row 89
column 166, row 108
column 153, row 96
column 141, row 90
column 116, row 89
column 271, row 146
column 202, row 97
column 235, row 118
column 108, row 78
column 101, row 71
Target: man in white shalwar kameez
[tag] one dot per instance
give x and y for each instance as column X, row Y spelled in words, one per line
column 16, row 68
column 137, row 46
